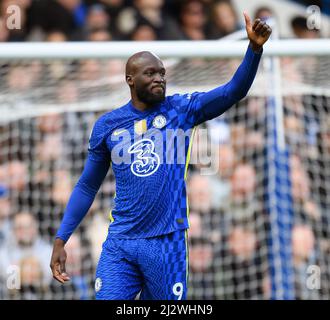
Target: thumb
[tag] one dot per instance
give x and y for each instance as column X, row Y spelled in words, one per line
column 247, row 20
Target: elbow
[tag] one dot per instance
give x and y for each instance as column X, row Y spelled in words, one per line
column 242, row 93
column 86, row 189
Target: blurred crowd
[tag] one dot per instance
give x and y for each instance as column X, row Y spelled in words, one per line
column 106, row 20
column 41, row 157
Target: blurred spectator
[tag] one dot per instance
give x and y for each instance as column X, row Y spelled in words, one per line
column 27, row 243
column 245, row 268
column 20, row 79
column 219, row 130
column 242, row 243
column 263, row 13
column 321, row 177
column 16, row 176
column 192, row 20
column 4, row 32
column 57, row 69
column 242, row 204
column 143, row 32
column 59, row 15
column 304, row 255
column 32, row 284
column 223, row 20
column 143, row 12
column 97, row 20
column 50, row 148
column 5, row 211
column 301, row 30
column 299, row 180
column 195, row 221
column 222, row 183
column 113, row 7
column 201, row 281
column 294, row 132
column 51, row 123
column 238, row 138
column 56, row 36
column 304, row 207
column 200, row 193
column 244, row 225
column 90, row 70
column 200, row 255
column 226, row 161
column 67, row 92
column 75, row 267
column 99, row 35
column 303, row 242
column 62, row 187
column 97, row 231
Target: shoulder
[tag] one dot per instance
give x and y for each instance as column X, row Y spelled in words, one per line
column 107, row 120
column 101, row 126
column 104, row 120
column 179, row 100
column 105, row 124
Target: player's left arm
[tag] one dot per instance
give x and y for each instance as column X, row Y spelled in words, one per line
column 215, row 102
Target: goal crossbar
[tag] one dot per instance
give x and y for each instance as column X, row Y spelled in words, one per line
column 170, row 49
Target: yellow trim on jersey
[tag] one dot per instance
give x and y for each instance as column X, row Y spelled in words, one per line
column 186, row 168
column 187, row 204
column 111, row 217
column 189, row 152
column 110, row 213
column 187, row 257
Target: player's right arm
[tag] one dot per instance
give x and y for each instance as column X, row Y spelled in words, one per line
column 81, row 199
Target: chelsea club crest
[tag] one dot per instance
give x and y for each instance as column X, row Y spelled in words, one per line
column 159, row 122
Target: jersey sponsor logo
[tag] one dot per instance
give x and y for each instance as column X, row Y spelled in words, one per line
column 98, row 284
column 159, row 122
column 147, row 162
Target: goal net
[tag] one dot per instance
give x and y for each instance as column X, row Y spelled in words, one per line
column 258, row 180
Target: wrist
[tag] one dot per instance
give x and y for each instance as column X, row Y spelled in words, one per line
column 59, row 242
column 255, row 47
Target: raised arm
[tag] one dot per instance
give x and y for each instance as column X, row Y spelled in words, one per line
column 215, row 102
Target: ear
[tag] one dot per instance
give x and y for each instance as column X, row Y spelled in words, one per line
column 129, row 80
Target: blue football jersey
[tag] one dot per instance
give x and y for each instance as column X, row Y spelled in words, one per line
column 149, row 154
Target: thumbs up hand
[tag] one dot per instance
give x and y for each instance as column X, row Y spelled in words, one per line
column 258, row 32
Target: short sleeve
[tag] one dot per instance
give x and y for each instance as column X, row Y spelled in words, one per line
column 97, row 148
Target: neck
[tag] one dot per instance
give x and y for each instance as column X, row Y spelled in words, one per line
column 139, row 105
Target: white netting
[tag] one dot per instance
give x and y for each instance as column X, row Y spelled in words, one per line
column 47, row 111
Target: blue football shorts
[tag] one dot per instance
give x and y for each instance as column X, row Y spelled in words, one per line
column 150, row 269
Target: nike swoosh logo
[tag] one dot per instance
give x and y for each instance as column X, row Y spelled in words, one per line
column 118, row 132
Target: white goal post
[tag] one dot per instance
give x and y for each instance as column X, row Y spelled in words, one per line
column 168, row 49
